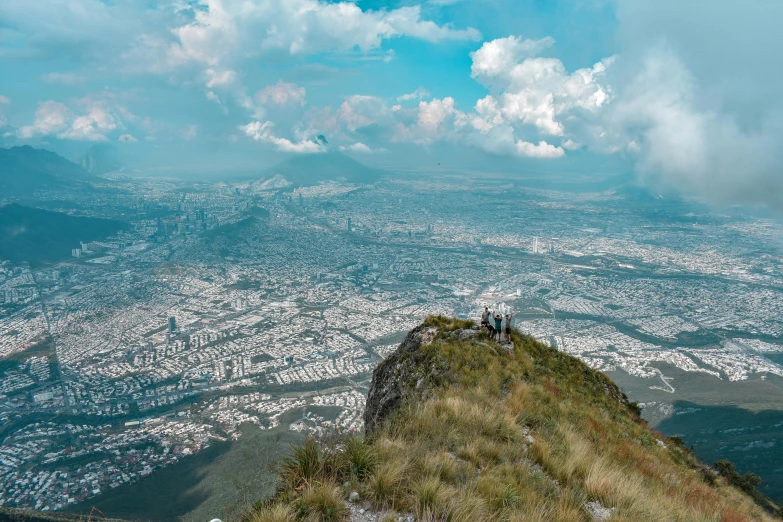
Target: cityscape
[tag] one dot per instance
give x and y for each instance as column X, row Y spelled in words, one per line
column 225, row 306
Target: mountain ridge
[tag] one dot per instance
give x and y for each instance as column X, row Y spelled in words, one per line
column 460, row 428
column 25, row 170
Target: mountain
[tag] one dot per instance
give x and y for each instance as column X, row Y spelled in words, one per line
column 39, row 236
column 310, row 169
column 460, row 428
column 100, row 159
column 24, row 170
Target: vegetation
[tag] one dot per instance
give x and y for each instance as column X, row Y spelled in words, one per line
column 39, row 236
column 524, row 435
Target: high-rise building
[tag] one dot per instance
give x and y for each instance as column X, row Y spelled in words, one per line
column 301, row 200
column 535, row 246
column 348, row 225
column 172, row 325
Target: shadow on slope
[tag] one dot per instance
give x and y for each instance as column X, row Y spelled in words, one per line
column 39, row 236
column 750, row 440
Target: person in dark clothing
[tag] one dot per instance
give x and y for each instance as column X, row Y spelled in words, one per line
column 498, row 325
column 490, row 331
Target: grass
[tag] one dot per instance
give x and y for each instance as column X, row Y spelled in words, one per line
column 533, row 435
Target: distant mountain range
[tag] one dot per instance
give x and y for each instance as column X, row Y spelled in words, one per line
column 40, row 236
column 311, row 169
column 24, row 170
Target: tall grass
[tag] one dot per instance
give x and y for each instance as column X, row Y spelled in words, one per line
column 531, row 436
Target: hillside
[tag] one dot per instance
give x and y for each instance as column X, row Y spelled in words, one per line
column 25, row 170
column 39, row 236
column 310, row 169
column 459, row 428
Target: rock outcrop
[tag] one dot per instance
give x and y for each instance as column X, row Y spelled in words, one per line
column 407, row 372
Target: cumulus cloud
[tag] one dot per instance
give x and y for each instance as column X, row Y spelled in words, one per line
column 533, row 90
column 282, row 94
column 698, row 97
column 221, row 30
column 90, row 119
column 264, row 132
column 51, row 117
column 659, row 116
column 127, row 138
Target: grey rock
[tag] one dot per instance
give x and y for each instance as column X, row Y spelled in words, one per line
column 598, row 511
column 393, row 379
column 353, row 497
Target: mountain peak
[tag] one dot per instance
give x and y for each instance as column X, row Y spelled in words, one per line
column 461, row 428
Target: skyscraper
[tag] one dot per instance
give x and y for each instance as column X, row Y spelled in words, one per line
column 348, row 227
column 172, row 325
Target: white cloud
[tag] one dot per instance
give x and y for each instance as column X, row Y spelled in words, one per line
column 4, row 99
column 127, row 138
column 92, row 125
column 418, row 94
column 282, row 94
column 220, row 78
column 362, row 148
column 537, row 91
column 191, row 132
column 263, row 132
column 51, row 117
column 570, row 145
column 435, row 112
column 542, row 150
column 97, row 118
column 223, row 31
column 497, row 57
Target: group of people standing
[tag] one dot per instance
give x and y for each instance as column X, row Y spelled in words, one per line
column 496, row 331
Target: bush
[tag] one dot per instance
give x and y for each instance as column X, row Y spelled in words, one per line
column 361, row 458
column 322, row 503
column 747, row 482
column 274, row 513
column 303, row 466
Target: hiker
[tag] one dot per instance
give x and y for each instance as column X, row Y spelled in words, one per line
column 498, row 325
column 490, row 331
column 485, row 317
column 508, row 327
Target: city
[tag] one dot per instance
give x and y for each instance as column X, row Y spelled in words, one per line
column 229, row 305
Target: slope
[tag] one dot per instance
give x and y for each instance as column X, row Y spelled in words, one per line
column 25, row 170
column 39, row 236
column 459, row 428
column 310, row 169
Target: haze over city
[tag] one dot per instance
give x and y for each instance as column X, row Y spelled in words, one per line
column 218, row 217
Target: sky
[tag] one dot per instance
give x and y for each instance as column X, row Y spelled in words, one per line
column 685, row 94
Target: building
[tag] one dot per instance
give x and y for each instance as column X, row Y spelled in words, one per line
column 76, row 252
column 172, row 325
column 348, row 226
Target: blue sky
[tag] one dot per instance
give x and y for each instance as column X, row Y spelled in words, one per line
column 684, row 93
